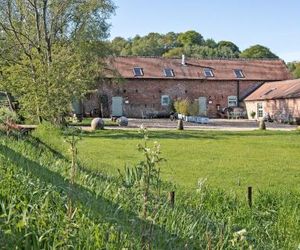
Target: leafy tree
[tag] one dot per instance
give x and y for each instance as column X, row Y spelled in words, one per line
column 117, row 45
column 176, row 52
column 150, row 45
column 258, row 51
column 50, row 51
column 170, row 40
column 294, row 68
column 190, row 37
column 211, row 43
column 229, row 45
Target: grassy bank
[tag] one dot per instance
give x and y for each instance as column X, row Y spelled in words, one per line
column 107, row 213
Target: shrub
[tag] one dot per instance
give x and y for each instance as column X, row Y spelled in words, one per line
column 181, row 106
column 7, row 116
column 252, row 114
column 186, row 107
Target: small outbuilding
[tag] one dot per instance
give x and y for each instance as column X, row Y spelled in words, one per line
column 278, row 100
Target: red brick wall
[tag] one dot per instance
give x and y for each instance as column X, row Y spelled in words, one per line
column 145, row 95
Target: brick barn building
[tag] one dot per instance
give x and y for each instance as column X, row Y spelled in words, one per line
column 280, row 100
column 149, row 84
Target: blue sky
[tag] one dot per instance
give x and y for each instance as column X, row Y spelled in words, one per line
column 273, row 23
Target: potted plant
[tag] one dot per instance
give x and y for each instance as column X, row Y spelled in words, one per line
column 252, row 114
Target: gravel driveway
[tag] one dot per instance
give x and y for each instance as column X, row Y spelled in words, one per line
column 214, row 124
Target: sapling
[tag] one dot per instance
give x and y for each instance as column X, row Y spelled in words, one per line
column 72, row 137
column 145, row 177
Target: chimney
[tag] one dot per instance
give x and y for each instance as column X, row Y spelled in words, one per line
column 183, row 60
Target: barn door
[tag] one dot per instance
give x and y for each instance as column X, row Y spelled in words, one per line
column 117, row 106
column 202, row 105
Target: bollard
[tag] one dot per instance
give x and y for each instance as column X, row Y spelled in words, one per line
column 172, row 198
column 250, row 196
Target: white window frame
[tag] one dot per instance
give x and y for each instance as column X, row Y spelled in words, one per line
column 141, row 71
column 240, row 71
column 206, row 70
column 260, row 110
column 232, row 99
column 171, row 71
column 163, row 98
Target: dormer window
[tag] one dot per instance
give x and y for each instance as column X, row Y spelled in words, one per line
column 239, row 73
column 138, row 71
column 169, row 72
column 208, row 72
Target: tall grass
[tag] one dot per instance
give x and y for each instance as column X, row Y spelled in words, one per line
column 34, row 186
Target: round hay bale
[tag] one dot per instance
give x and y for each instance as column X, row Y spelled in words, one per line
column 122, row 121
column 97, row 123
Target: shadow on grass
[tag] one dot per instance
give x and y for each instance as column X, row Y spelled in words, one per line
column 98, row 208
column 36, row 142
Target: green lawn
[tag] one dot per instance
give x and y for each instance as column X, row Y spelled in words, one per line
column 229, row 160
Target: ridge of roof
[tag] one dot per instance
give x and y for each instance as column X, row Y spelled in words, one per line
column 204, row 59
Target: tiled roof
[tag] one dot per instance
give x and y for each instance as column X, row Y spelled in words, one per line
column 223, row 69
column 276, row 90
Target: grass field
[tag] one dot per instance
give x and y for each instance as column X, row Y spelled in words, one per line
column 106, row 212
column 229, row 160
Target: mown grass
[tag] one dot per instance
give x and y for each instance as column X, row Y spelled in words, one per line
column 229, row 160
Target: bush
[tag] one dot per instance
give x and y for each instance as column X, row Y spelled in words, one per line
column 7, row 116
column 252, row 114
column 186, row 107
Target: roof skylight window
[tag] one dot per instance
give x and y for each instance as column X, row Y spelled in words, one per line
column 239, row 73
column 208, row 72
column 169, row 72
column 138, row 71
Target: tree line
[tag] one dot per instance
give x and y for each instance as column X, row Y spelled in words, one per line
column 191, row 43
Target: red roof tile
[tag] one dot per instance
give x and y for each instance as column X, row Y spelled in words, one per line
column 223, row 69
column 276, row 90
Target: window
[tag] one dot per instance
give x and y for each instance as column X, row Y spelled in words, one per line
column 137, row 71
column 165, row 100
column 232, row 101
column 208, row 72
column 238, row 73
column 169, row 72
column 260, row 111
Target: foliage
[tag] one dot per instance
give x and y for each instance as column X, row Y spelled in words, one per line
column 252, row 114
column 182, row 106
column 186, row 107
column 33, row 208
column 189, row 38
column 294, row 68
column 7, row 116
column 190, row 43
column 145, row 183
column 258, row 51
column 51, row 52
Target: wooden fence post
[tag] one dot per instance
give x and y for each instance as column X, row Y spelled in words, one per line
column 172, row 198
column 250, row 196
